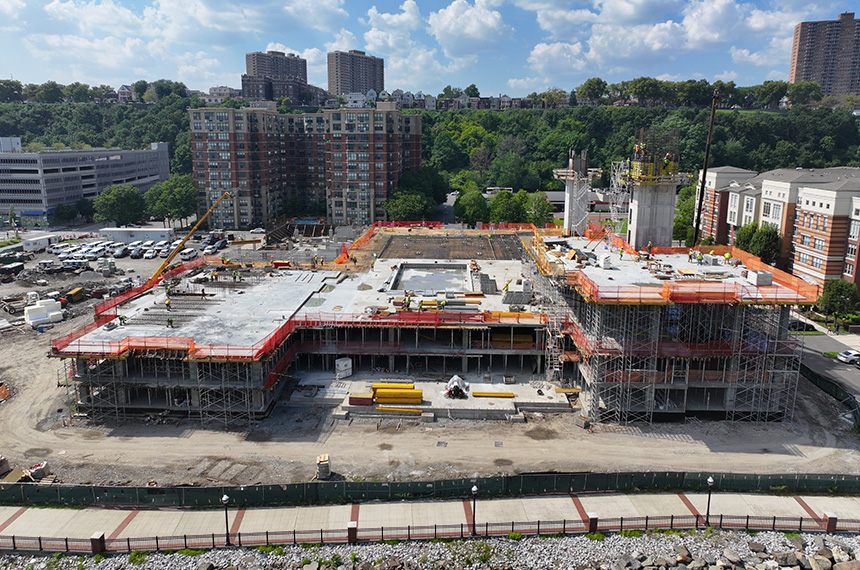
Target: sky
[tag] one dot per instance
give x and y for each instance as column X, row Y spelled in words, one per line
column 512, row 47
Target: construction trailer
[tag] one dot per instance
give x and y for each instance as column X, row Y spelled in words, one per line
column 664, row 335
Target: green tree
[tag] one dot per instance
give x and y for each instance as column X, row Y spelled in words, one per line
column 404, row 206
column 472, row 91
column 571, row 100
column 539, row 210
column 121, row 205
column 139, row 87
column 471, row 206
column 507, row 207
column 84, row 206
column 447, row 154
column 101, row 93
column 64, row 213
column 685, row 206
column 744, row 236
column 31, row 92
column 765, row 243
column 769, row 93
column 150, row 96
column 838, row 297
column 450, row 92
column 11, row 91
column 647, row 89
column 49, row 92
column 553, row 97
column 77, row 92
column 173, row 199
column 804, row 92
column 593, row 90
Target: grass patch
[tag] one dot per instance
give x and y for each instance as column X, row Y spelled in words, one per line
column 631, row 532
column 515, row 535
column 391, row 541
column 138, row 557
column 791, row 534
column 310, row 545
column 448, row 539
column 597, row 536
column 270, row 549
column 191, row 551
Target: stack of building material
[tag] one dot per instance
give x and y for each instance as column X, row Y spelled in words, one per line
column 45, row 311
column 391, row 386
column 323, row 467
column 361, row 398
column 398, row 396
column 343, row 366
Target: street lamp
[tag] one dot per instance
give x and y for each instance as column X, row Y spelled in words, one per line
column 708, row 510
column 225, row 500
column 474, row 503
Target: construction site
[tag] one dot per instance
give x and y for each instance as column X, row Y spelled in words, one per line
column 528, row 319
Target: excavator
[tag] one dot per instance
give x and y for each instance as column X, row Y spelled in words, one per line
column 178, row 248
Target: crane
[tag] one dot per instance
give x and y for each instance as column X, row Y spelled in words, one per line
column 178, row 248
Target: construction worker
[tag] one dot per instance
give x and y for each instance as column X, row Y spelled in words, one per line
column 442, row 304
column 699, row 257
column 170, row 323
column 621, row 253
column 202, row 293
column 122, row 320
column 728, row 257
column 167, row 304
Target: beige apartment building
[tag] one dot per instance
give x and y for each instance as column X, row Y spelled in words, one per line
column 354, row 72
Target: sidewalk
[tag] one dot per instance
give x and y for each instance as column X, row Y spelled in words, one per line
column 558, row 513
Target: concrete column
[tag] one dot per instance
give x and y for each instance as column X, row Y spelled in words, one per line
column 592, row 523
column 97, row 543
column 352, row 532
column 830, row 521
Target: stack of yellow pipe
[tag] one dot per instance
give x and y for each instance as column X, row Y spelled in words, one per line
column 392, row 386
column 398, row 396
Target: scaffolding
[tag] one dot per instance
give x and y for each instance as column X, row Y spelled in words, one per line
column 619, row 197
column 576, row 188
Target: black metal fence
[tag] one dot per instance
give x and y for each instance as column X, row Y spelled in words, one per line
column 429, row 532
column 323, row 492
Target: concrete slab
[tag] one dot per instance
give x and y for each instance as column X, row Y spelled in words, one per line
column 66, row 523
column 753, row 505
column 609, row 506
column 842, row 507
column 659, row 504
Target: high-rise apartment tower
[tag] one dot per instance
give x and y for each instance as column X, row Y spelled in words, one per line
column 354, row 72
column 828, row 53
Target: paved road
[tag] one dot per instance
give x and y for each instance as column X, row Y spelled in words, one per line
column 571, row 512
column 814, row 347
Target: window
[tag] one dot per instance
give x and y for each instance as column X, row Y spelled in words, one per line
column 777, row 211
column 804, row 239
column 849, row 269
column 817, row 262
column 819, row 244
column 851, row 251
column 748, row 205
column 765, row 209
column 733, row 201
column 823, row 224
column 854, row 229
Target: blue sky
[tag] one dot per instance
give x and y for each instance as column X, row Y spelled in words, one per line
column 508, row 47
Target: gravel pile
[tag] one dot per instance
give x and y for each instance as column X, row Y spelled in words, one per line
column 703, row 550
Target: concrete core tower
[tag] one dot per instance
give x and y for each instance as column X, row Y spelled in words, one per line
column 653, row 180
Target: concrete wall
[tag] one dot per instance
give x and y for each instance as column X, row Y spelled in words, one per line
column 652, row 213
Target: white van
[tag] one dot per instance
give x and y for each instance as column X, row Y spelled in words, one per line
column 187, row 254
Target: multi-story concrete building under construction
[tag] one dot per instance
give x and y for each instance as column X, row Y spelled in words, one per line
column 35, row 183
column 343, row 162
column 531, row 319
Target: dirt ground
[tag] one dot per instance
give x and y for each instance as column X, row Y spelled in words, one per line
column 34, row 426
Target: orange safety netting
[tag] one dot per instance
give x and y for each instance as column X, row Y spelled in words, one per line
column 506, row 226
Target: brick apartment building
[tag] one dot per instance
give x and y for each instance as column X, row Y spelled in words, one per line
column 828, row 53
column 273, row 75
column 714, row 221
column 347, row 162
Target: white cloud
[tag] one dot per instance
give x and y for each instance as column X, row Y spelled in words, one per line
column 635, row 11
column 557, row 61
column 524, row 83
column 325, row 15
column 391, row 33
column 108, row 52
column 623, row 47
column 778, row 74
column 707, row 22
column 344, row 40
column 727, row 76
column 463, row 29
column 417, row 70
column 12, row 7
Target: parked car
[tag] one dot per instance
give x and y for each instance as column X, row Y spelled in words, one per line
column 188, row 254
column 147, row 244
column 135, row 244
column 165, row 252
column 137, row 253
column 121, row 251
column 849, row 356
column 221, row 244
column 210, row 250
column 257, row 231
column 162, row 243
column 150, row 253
